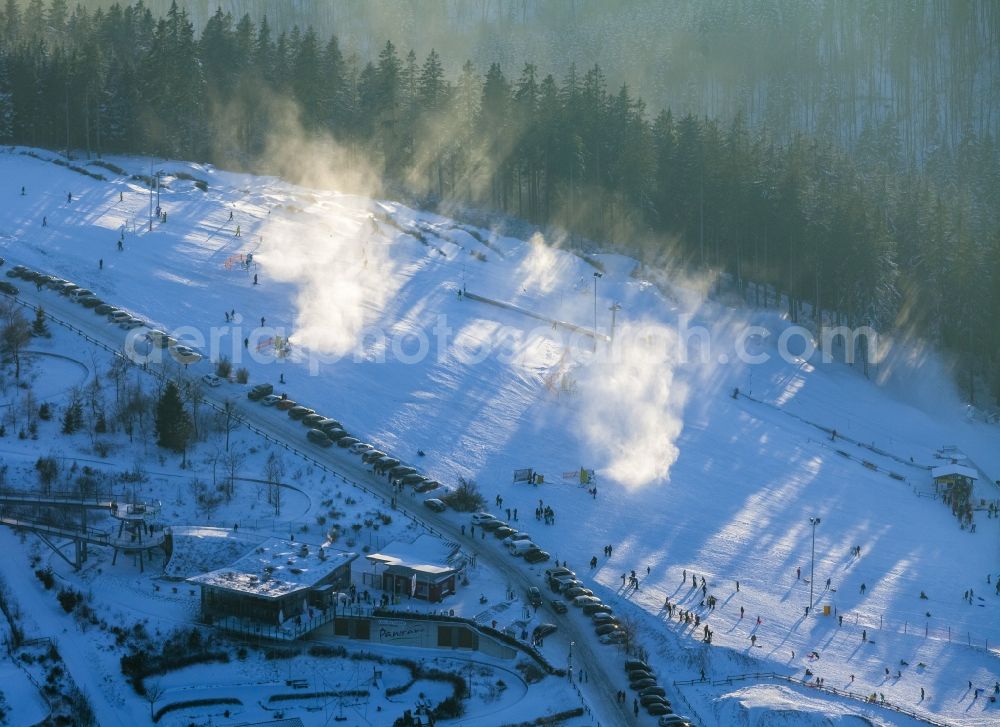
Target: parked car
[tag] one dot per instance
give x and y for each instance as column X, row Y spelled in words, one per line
column 605, row 629
column 517, row 535
column 641, row 683
column 615, row 637
column 534, row 596
column 591, row 608
column 478, row 518
column 336, row 435
column 491, row 525
column 260, row 391
column 649, row 699
column 412, row 479
column 584, row 600
column 345, row 442
column 543, row 630
column 285, row 405
column 129, row 323
column 558, row 571
column 361, row 448
column 536, row 556
column 313, row 420
column 604, row 617
column 575, row 591
column 633, row 664
column 435, row 504
column 558, row 606
column 79, row 293
column 657, row 709
column 8, row 288
column 103, row 309
column 501, row 533
column 561, row 583
column 117, row 316
column 64, row 289
column 329, row 424
column 185, row 354
column 211, row 380
column 637, row 674
column 655, row 691
column 427, row 486
column 674, row 720
column 299, row 412
column 270, row 400
column 372, row 456
column 91, row 302
column 318, row 436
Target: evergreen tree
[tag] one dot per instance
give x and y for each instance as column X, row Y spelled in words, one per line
column 173, row 424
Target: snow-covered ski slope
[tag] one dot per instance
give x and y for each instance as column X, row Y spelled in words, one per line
column 688, row 478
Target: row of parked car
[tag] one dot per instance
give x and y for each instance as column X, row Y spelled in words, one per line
column 517, row 543
column 88, row 299
column 324, row 431
column 609, row 630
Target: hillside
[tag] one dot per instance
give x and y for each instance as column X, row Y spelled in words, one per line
column 689, row 479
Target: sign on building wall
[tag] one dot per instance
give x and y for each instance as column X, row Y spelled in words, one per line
column 401, row 632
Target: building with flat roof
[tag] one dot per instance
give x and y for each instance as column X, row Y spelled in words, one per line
column 426, row 568
column 276, row 581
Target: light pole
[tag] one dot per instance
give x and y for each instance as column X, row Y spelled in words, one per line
column 596, row 276
column 614, row 310
column 812, row 570
column 569, row 661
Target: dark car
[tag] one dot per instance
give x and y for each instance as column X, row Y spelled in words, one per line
column 330, row 424
column 103, row 309
column 313, row 420
column 558, row 606
column 633, row 664
column 401, row 470
column 637, row 674
column 30, row 275
column 543, row 630
column 535, row 597
column 345, row 442
column 372, row 456
column 655, row 692
column 427, row 485
column 260, row 391
column 502, row 532
column 384, row 464
column 658, row 709
column 8, row 288
column 317, row 436
column 491, row 525
column 575, row 591
column 435, row 504
column 536, row 555
column 605, row 629
column 642, row 684
column 299, row 412
column 91, row 302
column 591, row 608
column 285, row 405
column 412, row 478
column 337, row 434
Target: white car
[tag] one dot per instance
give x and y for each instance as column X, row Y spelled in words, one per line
column 211, row 380
column 81, row 293
column 360, row 448
column 185, row 354
column 514, row 537
column 480, row 517
column 118, row 316
column 270, row 399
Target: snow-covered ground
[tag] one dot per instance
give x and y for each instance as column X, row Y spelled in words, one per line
column 688, row 478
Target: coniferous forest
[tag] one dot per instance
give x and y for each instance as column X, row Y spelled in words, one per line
column 872, row 196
